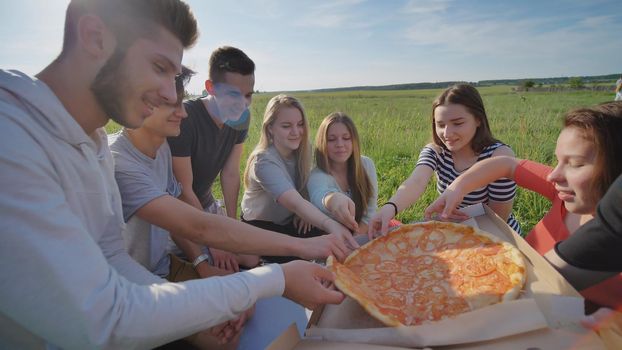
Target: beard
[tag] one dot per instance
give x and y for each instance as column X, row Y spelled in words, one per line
column 110, row 87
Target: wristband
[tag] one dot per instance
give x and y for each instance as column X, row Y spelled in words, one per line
column 201, row 258
column 394, row 207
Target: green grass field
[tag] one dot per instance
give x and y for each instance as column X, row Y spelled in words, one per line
column 395, row 125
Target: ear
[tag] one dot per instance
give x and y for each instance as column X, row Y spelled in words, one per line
column 94, row 37
column 209, row 87
column 269, row 132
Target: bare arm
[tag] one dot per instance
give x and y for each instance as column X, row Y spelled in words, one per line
column 342, row 208
column 408, row 193
column 228, row 234
column 182, row 168
column 230, row 184
column 230, row 180
column 192, row 251
column 480, row 174
column 293, row 201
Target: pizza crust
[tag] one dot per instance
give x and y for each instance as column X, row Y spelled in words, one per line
column 428, row 271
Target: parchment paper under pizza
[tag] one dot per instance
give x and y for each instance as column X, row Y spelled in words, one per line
column 429, row 271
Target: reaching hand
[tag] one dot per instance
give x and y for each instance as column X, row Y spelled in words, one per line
column 447, row 205
column 301, row 226
column 304, row 284
column 348, row 243
column 323, row 246
column 228, row 331
column 342, row 208
column 379, row 223
column 223, row 332
column 224, row 260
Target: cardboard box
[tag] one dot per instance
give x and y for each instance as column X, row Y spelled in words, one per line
column 545, row 316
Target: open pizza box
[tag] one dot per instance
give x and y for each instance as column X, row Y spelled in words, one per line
column 545, row 316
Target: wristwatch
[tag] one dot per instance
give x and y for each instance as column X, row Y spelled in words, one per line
column 201, row 258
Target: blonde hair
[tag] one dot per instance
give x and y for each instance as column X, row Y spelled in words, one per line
column 360, row 184
column 302, row 154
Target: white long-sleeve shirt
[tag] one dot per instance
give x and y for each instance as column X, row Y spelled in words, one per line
column 66, row 279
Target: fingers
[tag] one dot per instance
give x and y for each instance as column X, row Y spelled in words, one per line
column 350, row 222
column 436, row 207
column 384, row 228
column 456, row 215
column 328, row 284
column 338, row 247
column 301, row 228
column 218, row 328
column 448, row 213
column 325, row 279
column 372, row 228
column 603, row 317
column 227, row 264
column 223, row 332
column 351, row 242
column 233, row 263
column 324, row 274
column 351, row 216
column 329, row 295
column 303, row 284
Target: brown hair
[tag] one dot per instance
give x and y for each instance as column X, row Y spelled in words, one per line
column 132, row 19
column 601, row 125
column 360, row 184
column 467, row 96
column 229, row 59
column 181, row 80
column 302, row 154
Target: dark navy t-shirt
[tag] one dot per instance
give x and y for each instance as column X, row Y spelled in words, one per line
column 207, row 145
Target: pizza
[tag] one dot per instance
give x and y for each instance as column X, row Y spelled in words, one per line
column 430, row 271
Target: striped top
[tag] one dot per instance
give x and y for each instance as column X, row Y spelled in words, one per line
column 501, row 190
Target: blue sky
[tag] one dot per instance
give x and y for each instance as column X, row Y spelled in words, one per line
column 311, row 44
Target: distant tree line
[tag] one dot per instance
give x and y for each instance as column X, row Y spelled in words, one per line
column 553, row 81
column 523, row 84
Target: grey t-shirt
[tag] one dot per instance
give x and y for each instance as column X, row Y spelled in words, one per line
column 270, row 176
column 142, row 179
column 321, row 184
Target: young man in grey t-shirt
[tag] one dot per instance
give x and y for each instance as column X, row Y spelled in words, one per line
column 149, row 192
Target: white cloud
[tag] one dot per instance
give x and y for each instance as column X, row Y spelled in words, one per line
column 426, row 6
column 525, row 37
column 329, row 15
column 597, row 22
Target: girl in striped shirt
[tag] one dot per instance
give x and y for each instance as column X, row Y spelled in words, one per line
column 461, row 137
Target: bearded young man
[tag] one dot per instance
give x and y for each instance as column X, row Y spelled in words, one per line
column 67, row 280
